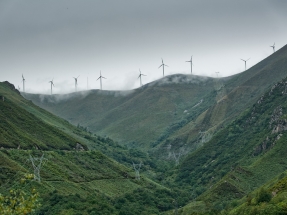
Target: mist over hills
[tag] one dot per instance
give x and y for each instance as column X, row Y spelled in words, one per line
column 79, row 168
column 228, row 135
column 172, row 110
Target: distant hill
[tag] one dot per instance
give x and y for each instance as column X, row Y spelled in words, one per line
column 138, row 116
column 171, row 111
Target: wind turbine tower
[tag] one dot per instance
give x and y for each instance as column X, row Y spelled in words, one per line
column 101, row 78
column 52, row 84
column 23, row 80
column 87, row 83
column 190, row 61
column 245, row 62
column 140, row 77
column 76, row 83
column 273, row 47
column 162, row 65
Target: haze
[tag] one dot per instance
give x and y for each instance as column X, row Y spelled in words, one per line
column 64, row 39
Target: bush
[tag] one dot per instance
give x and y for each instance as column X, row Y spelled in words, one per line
column 263, row 196
column 18, row 201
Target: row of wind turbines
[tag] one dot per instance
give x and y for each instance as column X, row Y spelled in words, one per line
column 140, row 75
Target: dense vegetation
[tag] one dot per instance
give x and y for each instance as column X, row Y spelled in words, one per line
column 173, row 109
column 240, row 168
column 245, row 155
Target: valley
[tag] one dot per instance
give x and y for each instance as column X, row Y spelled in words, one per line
column 207, row 145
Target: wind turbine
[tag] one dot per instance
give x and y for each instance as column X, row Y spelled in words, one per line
column 245, row 62
column 52, row 84
column 140, row 77
column 101, row 78
column 87, row 83
column 162, row 65
column 273, row 47
column 76, row 83
column 190, row 64
column 23, row 80
column 217, row 74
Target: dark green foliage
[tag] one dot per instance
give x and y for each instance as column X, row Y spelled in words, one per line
column 263, row 196
column 75, row 204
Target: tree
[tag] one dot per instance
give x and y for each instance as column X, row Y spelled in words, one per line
column 18, row 201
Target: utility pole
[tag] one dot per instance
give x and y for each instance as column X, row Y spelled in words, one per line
column 177, row 157
column 137, row 168
column 36, row 163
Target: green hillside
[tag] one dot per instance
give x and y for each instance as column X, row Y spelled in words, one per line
column 134, row 118
column 75, row 178
column 244, row 156
column 21, row 129
column 170, row 111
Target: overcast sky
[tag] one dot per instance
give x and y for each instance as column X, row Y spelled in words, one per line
column 64, row 39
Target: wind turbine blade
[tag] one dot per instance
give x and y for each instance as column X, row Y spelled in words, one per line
column 99, row 78
column 143, row 75
column 242, row 59
column 160, row 66
column 248, row 59
column 104, row 77
column 166, row 65
column 78, row 76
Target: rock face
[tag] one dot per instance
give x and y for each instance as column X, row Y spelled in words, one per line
column 277, row 122
column 79, row 147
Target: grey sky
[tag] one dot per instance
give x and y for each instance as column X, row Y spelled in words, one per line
column 62, row 39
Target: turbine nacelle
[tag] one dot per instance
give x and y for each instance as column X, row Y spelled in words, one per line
column 190, row 61
column 101, row 78
column 273, row 47
column 162, row 65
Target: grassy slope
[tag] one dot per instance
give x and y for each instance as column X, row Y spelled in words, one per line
column 82, row 182
column 72, row 181
column 20, row 128
column 243, row 156
column 139, row 116
column 238, row 93
column 153, row 116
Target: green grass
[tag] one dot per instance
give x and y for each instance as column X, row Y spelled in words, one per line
column 242, row 157
column 152, row 117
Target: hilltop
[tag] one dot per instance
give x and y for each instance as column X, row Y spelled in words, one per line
column 169, row 112
column 74, row 176
column 134, row 118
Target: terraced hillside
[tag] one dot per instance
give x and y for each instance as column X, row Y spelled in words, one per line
column 75, row 178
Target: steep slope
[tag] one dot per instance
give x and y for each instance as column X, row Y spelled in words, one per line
column 231, row 98
column 138, row 116
column 73, row 179
column 24, row 125
column 245, row 155
column 171, row 111
column 21, row 129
